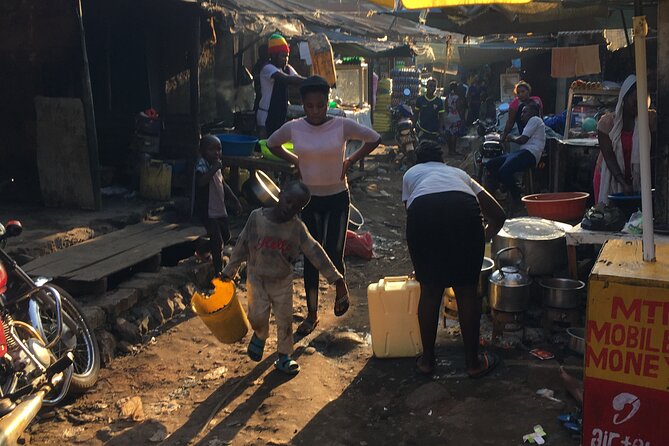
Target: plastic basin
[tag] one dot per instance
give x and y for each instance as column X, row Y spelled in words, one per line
column 237, row 145
column 628, row 204
column 561, row 206
column 264, row 150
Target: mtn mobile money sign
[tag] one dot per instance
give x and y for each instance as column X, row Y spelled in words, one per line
column 626, row 365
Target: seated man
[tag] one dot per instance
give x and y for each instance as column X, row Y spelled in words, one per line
column 532, row 143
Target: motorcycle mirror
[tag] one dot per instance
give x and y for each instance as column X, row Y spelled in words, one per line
column 407, row 92
column 504, row 107
column 13, row 228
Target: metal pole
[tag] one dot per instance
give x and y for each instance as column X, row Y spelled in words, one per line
column 640, row 33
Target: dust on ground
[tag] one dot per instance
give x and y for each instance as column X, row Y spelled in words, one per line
column 194, row 390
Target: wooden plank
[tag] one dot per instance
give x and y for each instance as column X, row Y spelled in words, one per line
column 88, row 244
column 136, row 255
column 99, row 252
column 622, row 261
column 63, row 160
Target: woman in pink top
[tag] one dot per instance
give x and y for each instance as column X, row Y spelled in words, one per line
column 320, row 156
column 523, row 90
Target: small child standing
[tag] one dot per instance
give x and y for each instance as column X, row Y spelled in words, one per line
column 271, row 241
column 210, row 195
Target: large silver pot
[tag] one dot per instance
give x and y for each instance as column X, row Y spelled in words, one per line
column 541, row 241
column 562, row 293
column 509, row 286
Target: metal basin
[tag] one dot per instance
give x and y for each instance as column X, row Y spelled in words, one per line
column 576, row 340
column 486, row 270
column 260, row 189
column 562, row 293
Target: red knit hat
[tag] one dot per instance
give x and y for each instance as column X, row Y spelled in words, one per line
column 277, row 44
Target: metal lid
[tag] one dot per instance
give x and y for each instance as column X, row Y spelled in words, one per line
column 533, row 228
column 510, row 276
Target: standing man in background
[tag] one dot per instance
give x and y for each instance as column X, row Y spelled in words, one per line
column 275, row 77
column 429, row 113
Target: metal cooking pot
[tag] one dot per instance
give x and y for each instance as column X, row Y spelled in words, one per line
column 486, row 270
column 510, row 286
column 260, row 189
column 541, row 241
column 562, row 293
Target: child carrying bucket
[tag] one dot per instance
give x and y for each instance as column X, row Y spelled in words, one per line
column 271, row 241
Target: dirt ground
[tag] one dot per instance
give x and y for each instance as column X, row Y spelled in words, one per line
column 195, row 390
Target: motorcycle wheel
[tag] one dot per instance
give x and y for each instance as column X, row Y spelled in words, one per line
column 76, row 336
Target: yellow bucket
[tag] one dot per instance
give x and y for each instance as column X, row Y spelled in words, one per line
column 221, row 312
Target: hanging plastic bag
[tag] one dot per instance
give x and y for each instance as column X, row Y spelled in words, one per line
column 359, row 245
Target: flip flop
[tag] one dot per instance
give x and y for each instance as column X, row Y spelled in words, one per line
column 256, row 348
column 422, row 369
column 490, row 361
column 341, row 305
column 287, row 365
column 306, row 327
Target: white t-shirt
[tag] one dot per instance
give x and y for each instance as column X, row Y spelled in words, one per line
column 434, row 177
column 266, row 87
column 321, row 150
column 535, row 129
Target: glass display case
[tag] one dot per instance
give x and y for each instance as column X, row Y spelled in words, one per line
column 584, row 108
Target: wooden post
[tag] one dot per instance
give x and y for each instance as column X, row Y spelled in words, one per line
column 194, row 69
column 662, row 156
column 89, row 113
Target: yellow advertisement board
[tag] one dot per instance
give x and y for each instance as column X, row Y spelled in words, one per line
column 627, row 334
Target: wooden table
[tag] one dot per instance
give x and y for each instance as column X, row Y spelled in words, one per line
column 253, row 163
column 579, row 236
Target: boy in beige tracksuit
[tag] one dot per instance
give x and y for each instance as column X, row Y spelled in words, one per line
column 271, row 242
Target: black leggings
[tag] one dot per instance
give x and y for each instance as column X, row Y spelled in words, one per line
column 326, row 219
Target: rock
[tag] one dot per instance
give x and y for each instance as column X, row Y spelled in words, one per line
column 127, row 330
column 130, row 408
column 118, row 302
column 127, row 348
column 159, row 435
column 145, row 287
column 309, row 351
column 95, row 316
column 107, row 344
column 426, row 396
column 215, row 374
column 156, row 314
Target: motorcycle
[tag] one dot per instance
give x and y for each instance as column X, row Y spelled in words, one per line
column 492, row 147
column 405, row 133
column 47, row 349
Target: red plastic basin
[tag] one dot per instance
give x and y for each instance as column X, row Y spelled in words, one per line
column 561, row 206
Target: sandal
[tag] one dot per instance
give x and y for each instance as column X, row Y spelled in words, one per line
column 489, row 361
column 256, row 348
column 287, row 365
column 424, row 370
column 306, row 327
column 341, row 305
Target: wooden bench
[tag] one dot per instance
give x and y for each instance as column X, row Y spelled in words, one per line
column 253, row 163
column 86, row 267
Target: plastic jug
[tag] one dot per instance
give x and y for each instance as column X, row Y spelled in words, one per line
column 393, row 317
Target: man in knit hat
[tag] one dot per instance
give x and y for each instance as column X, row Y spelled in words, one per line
column 274, row 80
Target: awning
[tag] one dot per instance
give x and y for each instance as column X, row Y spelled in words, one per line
column 477, row 56
column 348, row 45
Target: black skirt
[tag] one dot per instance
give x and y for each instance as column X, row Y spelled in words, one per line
column 446, row 238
